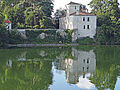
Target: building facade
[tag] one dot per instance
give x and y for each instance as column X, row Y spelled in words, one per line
column 79, row 20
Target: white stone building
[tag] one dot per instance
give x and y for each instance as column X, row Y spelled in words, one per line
column 79, row 20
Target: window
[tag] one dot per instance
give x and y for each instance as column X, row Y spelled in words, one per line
column 83, row 18
column 75, row 7
column 83, row 69
column 84, row 27
column 88, row 19
column 87, row 68
column 88, row 27
column 83, row 60
column 88, row 60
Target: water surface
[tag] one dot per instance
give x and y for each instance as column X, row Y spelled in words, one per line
column 60, row 68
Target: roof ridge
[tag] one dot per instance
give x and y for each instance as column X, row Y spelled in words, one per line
column 73, row 3
column 82, row 13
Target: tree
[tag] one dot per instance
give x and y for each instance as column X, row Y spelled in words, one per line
column 106, row 75
column 25, row 13
column 59, row 13
column 108, row 14
column 3, row 36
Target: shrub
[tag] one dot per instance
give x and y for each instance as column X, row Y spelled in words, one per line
column 86, row 41
column 3, row 36
column 15, row 38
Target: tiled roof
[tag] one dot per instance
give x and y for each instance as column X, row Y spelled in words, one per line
column 73, row 3
column 82, row 14
column 7, row 21
column 86, row 13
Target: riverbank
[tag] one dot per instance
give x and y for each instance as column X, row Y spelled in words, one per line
column 39, row 45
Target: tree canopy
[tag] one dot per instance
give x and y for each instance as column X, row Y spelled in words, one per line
column 27, row 13
column 108, row 20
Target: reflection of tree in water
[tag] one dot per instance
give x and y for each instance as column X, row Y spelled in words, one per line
column 23, row 69
column 43, row 53
column 108, row 67
column 32, row 75
column 46, row 53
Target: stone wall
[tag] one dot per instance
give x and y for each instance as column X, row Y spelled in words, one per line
column 46, row 36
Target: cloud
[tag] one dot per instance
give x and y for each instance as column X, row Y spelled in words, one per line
column 61, row 3
column 85, row 83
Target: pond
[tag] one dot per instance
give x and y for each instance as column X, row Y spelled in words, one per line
column 60, row 68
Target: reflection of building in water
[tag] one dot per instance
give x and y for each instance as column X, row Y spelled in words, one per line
column 82, row 63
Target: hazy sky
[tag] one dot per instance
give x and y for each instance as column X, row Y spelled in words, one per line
column 61, row 3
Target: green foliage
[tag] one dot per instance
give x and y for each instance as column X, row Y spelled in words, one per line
column 3, row 36
column 84, row 47
column 108, row 35
column 107, row 67
column 49, row 36
column 9, row 37
column 36, row 26
column 59, row 12
column 68, row 38
column 24, row 13
column 35, row 71
column 35, row 36
column 15, row 38
column 46, row 22
column 26, row 75
column 108, row 14
column 85, row 41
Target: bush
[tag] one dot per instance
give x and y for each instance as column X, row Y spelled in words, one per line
column 51, row 36
column 15, row 38
column 3, row 36
column 36, row 27
column 34, row 36
column 9, row 37
column 86, row 41
column 108, row 35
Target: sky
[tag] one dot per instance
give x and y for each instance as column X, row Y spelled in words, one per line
column 61, row 3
